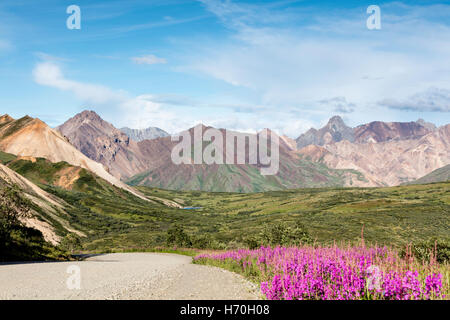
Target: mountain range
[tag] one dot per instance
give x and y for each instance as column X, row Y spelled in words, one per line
column 87, row 178
column 336, row 131
column 387, row 154
column 373, row 154
column 149, row 163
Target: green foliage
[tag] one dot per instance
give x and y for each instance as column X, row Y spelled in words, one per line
column 115, row 220
column 280, row 234
column 71, row 242
column 41, row 171
column 203, row 242
column 177, row 237
column 11, row 205
column 6, row 158
column 438, row 249
column 18, row 242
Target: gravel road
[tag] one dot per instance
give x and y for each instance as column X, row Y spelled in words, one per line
column 149, row 276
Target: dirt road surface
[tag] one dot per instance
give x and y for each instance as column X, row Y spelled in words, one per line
column 149, row 276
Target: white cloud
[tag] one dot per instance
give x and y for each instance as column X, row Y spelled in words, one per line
column 149, row 59
column 48, row 57
column 123, row 109
column 172, row 113
column 330, row 55
column 339, row 104
column 50, row 74
column 431, row 100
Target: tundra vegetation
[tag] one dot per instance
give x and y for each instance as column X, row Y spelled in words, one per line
column 405, row 226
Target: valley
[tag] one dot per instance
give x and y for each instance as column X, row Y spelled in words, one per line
column 79, row 205
column 112, row 219
column 57, row 202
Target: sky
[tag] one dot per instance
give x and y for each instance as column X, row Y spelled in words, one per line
column 244, row 65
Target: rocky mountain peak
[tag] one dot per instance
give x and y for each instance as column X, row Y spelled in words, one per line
column 102, row 142
column 144, row 134
column 6, row 118
column 337, row 121
column 430, row 126
column 336, row 130
column 379, row 131
column 87, row 116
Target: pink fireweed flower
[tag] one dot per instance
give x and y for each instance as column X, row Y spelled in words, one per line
column 333, row 273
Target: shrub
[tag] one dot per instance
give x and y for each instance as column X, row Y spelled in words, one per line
column 284, row 234
column 177, row 237
column 426, row 250
column 71, row 242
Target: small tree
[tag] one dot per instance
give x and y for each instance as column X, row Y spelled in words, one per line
column 177, row 236
column 71, row 242
column 11, row 205
column 284, row 234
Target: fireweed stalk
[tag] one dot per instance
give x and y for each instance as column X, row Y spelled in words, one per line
column 336, row 273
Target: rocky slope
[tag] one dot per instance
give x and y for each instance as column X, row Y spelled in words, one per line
column 335, row 130
column 378, row 131
column 144, row 134
column 102, row 142
column 390, row 162
column 46, row 210
column 149, row 162
column 438, row 175
column 33, row 138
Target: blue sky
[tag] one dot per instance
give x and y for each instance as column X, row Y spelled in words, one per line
column 243, row 65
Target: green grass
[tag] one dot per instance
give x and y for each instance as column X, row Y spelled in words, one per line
column 114, row 219
column 389, row 215
column 42, row 171
column 394, row 216
column 6, row 158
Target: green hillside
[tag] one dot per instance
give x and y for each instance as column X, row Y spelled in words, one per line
column 114, row 219
column 18, row 242
column 390, row 215
column 439, row 175
column 298, row 173
column 393, row 216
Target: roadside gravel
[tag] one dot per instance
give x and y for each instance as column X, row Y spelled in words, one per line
column 135, row 276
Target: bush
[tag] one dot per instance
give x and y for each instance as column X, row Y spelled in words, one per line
column 11, row 205
column 280, row 234
column 202, row 242
column 284, row 234
column 177, row 237
column 18, row 242
column 424, row 251
column 71, row 242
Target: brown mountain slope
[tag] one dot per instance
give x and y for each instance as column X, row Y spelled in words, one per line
column 294, row 171
column 102, row 142
column 392, row 162
column 51, row 207
column 149, row 162
column 32, row 137
column 385, row 131
column 336, row 130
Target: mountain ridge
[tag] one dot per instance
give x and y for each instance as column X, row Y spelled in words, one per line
column 391, row 162
column 438, row 175
column 139, row 135
column 29, row 136
column 376, row 131
column 148, row 162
